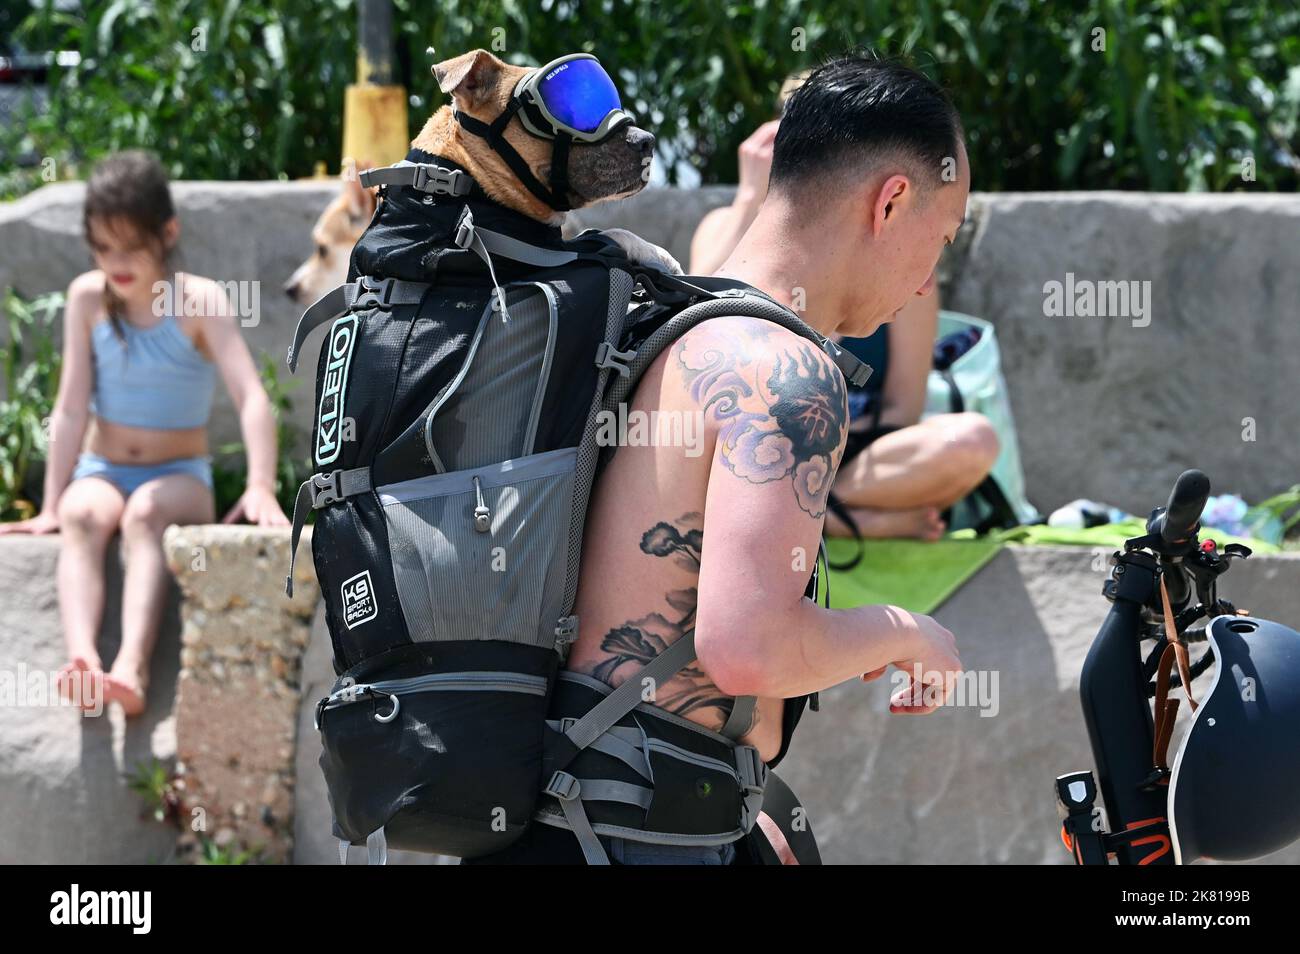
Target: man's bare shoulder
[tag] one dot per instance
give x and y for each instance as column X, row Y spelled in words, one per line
column 777, row 402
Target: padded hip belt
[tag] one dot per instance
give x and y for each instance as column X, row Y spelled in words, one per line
column 658, row 778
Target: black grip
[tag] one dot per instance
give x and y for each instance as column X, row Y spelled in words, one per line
column 1186, row 501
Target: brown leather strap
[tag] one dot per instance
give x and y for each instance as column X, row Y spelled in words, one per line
column 1166, row 709
column 1180, row 647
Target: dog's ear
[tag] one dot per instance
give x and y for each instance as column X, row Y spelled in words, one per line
column 471, row 77
column 360, row 200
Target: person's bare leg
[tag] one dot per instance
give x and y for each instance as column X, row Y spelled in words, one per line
column 898, row 485
column 89, row 511
column 175, row 498
column 922, row 523
column 931, row 464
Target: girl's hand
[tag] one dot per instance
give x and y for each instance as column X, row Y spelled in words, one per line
column 41, row 523
column 258, row 505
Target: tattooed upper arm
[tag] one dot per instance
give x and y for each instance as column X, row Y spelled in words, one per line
column 778, row 402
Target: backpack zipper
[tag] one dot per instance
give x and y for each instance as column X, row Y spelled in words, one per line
column 450, row 681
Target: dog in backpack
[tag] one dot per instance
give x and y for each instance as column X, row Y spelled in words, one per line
column 333, row 235
column 481, row 86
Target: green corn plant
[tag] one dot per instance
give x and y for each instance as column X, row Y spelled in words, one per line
column 31, row 364
column 1093, row 94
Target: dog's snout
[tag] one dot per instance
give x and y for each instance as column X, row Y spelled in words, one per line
column 641, row 140
column 291, row 289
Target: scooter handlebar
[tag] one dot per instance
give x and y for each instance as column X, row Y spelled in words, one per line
column 1186, row 502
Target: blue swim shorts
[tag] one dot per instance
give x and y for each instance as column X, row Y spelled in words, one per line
column 129, row 477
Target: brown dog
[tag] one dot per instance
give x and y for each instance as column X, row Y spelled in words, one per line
column 481, row 86
column 334, row 234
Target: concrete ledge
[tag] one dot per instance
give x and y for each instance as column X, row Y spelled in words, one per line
column 951, row 787
column 239, row 685
column 63, row 777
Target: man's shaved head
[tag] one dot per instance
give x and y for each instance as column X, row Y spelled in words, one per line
column 856, row 114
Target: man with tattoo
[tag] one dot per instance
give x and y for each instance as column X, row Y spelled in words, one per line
column 869, row 181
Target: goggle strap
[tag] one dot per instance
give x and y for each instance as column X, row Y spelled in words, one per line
column 499, row 124
column 512, row 158
column 560, row 163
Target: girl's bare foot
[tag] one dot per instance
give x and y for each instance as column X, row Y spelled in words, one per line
column 917, row 523
column 81, row 680
column 126, row 686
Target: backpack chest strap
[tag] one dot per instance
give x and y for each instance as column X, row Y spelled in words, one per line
column 365, row 292
column 320, row 490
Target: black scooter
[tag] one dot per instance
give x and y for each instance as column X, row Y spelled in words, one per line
column 1116, row 683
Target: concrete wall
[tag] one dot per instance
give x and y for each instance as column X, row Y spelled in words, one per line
column 1105, row 409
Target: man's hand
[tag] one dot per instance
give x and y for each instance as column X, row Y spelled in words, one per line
column 932, row 648
column 258, row 505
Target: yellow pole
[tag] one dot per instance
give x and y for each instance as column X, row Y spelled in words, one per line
column 374, row 108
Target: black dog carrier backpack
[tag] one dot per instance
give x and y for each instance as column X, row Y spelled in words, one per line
column 454, row 447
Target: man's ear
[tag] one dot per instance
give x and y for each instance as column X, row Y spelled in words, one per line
column 895, row 192
column 470, row 78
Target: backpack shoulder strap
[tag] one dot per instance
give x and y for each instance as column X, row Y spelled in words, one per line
column 743, row 301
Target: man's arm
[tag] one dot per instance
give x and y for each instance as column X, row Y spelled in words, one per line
column 911, row 355
column 779, row 409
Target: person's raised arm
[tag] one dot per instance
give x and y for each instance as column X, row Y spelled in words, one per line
column 779, row 409
column 911, row 356
column 720, row 230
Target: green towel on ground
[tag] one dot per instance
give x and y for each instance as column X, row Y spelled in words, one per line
column 919, row 576
column 1113, row 535
column 913, row 574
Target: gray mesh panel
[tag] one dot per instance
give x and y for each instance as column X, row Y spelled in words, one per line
column 621, row 285
column 492, row 413
column 455, row 582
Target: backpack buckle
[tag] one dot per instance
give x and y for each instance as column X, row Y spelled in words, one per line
column 439, row 181
column 566, row 631
column 325, row 489
column 751, row 769
column 374, row 293
column 752, row 772
column 607, row 356
column 563, row 786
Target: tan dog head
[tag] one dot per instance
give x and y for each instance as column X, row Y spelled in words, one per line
column 334, row 234
column 481, row 86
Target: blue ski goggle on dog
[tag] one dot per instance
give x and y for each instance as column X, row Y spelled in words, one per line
column 573, row 94
column 570, row 99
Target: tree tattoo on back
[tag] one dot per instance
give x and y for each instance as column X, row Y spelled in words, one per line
column 637, row 641
column 790, row 423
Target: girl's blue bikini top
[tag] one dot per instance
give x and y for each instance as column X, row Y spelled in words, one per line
column 155, row 378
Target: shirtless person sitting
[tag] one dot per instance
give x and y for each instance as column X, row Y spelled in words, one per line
column 722, row 542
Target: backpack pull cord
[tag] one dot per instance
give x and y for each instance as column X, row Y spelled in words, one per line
column 468, row 238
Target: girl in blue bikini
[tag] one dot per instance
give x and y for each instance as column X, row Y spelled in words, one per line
column 128, row 438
